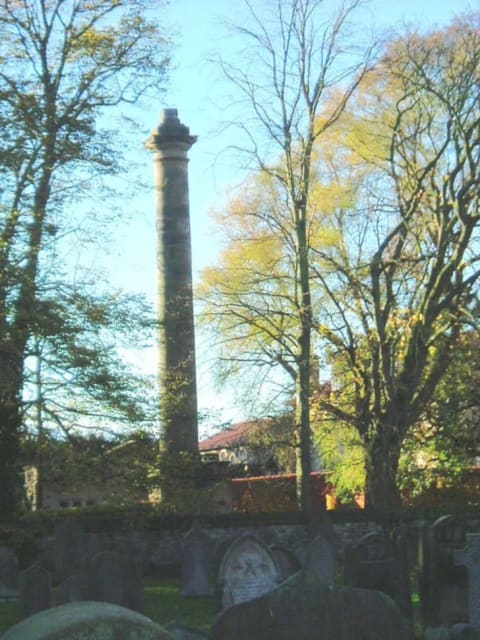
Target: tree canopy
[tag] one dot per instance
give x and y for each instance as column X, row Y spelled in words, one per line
column 63, row 63
column 300, row 53
column 392, row 228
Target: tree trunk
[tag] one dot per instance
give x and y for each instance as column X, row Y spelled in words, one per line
column 383, row 453
column 10, row 426
column 302, row 392
column 303, row 464
column 12, row 351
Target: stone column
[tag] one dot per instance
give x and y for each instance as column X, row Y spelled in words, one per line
column 170, row 142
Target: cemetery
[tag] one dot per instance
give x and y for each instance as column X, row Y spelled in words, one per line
column 257, row 560
column 160, row 538
column 209, row 578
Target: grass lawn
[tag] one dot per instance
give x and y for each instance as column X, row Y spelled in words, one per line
column 163, row 604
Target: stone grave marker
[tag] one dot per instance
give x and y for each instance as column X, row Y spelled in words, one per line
column 197, row 551
column 469, row 557
column 134, row 546
column 35, row 590
column 75, row 588
column 70, row 549
column 306, row 608
column 375, row 562
column 321, row 525
column 87, row 621
column 114, row 577
column 93, row 544
column 300, row 551
column 287, row 562
column 248, row 570
column 181, row 632
column 8, row 574
column 321, row 559
column 443, row 586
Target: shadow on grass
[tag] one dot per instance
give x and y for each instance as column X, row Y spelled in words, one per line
column 163, row 604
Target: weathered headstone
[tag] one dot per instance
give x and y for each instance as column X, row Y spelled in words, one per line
column 87, row 621
column 93, row 544
column 70, row 549
column 321, row 560
column 309, row 609
column 469, row 557
column 463, row 631
column 375, row 562
column 301, row 550
column 247, row 570
column 442, row 585
column 196, row 564
column 115, row 578
column 75, row 588
column 181, row 632
column 321, row 525
column 287, row 562
column 8, row 574
column 35, row 590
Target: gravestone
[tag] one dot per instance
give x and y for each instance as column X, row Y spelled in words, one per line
column 35, row 590
column 8, row 574
column 87, row 621
column 75, row 588
column 442, row 585
column 321, row 525
column 113, row 577
column 70, row 549
column 287, row 562
column 469, row 557
column 196, row 563
column 375, row 562
column 306, row 608
column 300, row 551
column 181, row 632
column 93, row 544
column 248, row 570
column 321, row 560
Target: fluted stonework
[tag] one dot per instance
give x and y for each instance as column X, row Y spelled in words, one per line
column 170, row 143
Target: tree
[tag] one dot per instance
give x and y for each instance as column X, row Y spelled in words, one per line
column 445, row 442
column 402, row 283
column 296, row 55
column 118, row 467
column 63, row 62
column 393, row 229
column 75, row 380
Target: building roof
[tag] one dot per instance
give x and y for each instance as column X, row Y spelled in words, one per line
column 234, row 435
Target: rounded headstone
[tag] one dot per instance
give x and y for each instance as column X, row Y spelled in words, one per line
column 248, row 570
column 87, row 621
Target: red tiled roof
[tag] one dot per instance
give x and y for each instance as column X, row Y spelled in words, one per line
column 231, row 436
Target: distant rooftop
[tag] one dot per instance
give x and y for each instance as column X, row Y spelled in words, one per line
column 236, row 434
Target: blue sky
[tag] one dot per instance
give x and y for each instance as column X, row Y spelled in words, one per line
column 196, row 90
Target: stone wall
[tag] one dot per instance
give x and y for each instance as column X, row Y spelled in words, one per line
column 158, row 545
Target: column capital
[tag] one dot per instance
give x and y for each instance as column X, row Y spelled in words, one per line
column 170, row 134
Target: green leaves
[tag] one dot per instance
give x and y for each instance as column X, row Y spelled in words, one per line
column 63, row 63
column 75, row 372
column 365, row 248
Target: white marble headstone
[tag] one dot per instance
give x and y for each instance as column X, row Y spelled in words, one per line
column 248, row 570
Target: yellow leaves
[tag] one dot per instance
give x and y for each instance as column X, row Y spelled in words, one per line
column 327, row 197
column 400, row 326
column 94, row 43
column 404, row 319
column 432, row 351
column 359, row 138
